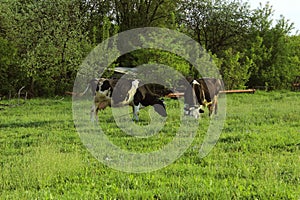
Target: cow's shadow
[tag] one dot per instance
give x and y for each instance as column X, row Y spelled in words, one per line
column 34, row 124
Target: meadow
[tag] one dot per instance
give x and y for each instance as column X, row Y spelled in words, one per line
column 256, row 157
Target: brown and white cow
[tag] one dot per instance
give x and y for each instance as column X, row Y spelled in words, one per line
column 122, row 92
column 202, row 93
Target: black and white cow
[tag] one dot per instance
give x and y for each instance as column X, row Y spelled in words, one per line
column 122, row 92
column 202, row 93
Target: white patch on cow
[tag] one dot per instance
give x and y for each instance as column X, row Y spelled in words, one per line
column 131, row 92
column 102, row 93
column 195, row 82
column 135, row 84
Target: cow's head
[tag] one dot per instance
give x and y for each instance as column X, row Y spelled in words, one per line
column 160, row 108
column 193, row 110
column 192, row 99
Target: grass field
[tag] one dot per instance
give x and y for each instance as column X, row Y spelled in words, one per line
column 256, row 157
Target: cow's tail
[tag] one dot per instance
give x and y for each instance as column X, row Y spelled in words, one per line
column 86, row 89
column 75, row 94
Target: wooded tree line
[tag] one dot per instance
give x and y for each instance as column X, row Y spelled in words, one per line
column 43, row 42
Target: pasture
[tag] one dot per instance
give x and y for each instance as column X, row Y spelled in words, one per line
column 256, row 157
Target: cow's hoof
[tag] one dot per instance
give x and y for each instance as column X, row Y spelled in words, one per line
column 135, row 119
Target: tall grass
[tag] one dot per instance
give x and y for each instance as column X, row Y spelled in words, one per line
column 256, row 157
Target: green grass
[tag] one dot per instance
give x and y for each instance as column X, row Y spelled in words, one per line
column 256, row 157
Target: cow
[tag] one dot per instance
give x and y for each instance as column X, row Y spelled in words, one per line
column 101, row 94
column 202, row 93
column 122, row 92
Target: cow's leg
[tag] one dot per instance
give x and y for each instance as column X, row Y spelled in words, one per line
column 96, row 115
column 136, row 109
column 201, row 109
column 213, row 107
column 92, row 114
column 100, row 106
column 210, row 108
column 216, row 104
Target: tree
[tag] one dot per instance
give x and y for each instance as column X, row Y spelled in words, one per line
column 98, row 13
column 235, row 69
column 294, row 59
column 270, row 50
column 131, row 14
column 51, row 43
column 216, row 25
column 8, row 73
column 11, row 73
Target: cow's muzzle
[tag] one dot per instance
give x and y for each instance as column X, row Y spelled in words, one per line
column 193, row 110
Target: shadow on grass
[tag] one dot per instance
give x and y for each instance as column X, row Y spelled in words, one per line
column 230, row 139
column 33, row 124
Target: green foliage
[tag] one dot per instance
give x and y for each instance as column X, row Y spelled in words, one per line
column 170, row 56
column 235, row 68
column 223, row 25
column 50, row 43
column 95, row 12
column 8, row 73
column 216, row 25
column 257, row 154
column 11, row 73
column 294, row 58
column 53, row 61
column 153, row 56
column 259, row 53
column 43, row 43
column 131, row 14
column 271, row 50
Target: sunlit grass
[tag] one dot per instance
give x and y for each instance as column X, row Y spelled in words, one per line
column 257, row 155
